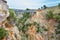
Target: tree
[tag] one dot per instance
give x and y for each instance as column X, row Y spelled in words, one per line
column 59, row 5
column 44, row 6
column 38, row 8
column 27, row 9
column 41, row 7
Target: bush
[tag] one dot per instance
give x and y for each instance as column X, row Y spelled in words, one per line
column 2, row 33
column 21, row 22
column 58, row 26
column 58, row 29
column 38, row 29
column 57, row 17
column 50, row 15
column 57, row 32
column 12, row 16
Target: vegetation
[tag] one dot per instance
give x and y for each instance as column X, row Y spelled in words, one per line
column 49, row 15
column 21, row 22
column 27, row 9
column 58, row 29
column 37, row 26
column 3, row 33
column 57, row 17
column 58, row 26
column 57, row 32
column 44, row 6
column 12, row 16
column 39, row 9
column 22, row 25
column 12, row 13
column 59, row 5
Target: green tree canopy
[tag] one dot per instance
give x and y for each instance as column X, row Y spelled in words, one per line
column 44, row 6
column 27, row 9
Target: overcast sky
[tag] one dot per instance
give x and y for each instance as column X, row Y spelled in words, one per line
column 32, row 4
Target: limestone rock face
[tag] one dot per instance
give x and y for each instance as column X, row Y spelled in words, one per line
column 13, row 32
column 4, row 13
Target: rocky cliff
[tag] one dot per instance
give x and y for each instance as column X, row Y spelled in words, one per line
column 12, row 31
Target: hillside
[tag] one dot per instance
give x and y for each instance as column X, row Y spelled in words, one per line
column 33, row 24
column 40, row 17
column 47, row 29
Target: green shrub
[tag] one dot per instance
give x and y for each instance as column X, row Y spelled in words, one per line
column 21, row 22
column 58, row 26
column 49, row 15
column 3, row 33
column 57, row 17
column 57, row 32
column 12, row 16
column 38, row 29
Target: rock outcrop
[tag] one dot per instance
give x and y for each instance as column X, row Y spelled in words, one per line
column 13, row 33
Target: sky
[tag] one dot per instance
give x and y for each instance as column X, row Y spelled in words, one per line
column 32, row 4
